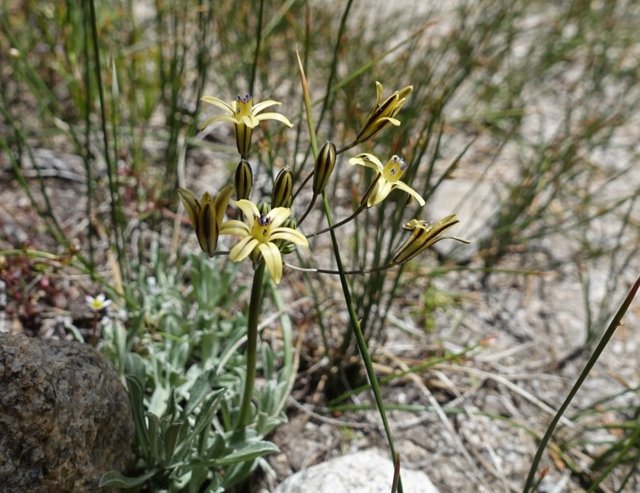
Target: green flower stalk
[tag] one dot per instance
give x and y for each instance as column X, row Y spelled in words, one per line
column 281, row 195
column 206, row 215
column 388, row 178
column 259, row 234
column 243, row 179
column 245, row 116
column 423, row 235
column 383, row 113
column 325, row 162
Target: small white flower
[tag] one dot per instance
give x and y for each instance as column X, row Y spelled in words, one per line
column 98, row 303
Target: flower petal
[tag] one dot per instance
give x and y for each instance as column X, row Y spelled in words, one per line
column 191, row 205
column 368, row 160
column 219, row 103
column 263, row 105
column 234, row 227
column 407, row 189
column 218, row 118
column 278, row 215
column 249, row 210
column 275, row 116
column 393, row 121
column 272, row 259
column 380, row 191
column 289, row 234
column 378, row 93
column 249, row 120
column 244, row 247
column 222, row 200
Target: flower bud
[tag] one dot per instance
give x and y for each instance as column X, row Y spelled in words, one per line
column 206, row 215
column 243, row 179
column 264, row 208
column 325, row 163
column 423, row 235
column 281, row 196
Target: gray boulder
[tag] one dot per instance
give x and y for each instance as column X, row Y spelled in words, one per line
column 64, row 416
column 363, row 472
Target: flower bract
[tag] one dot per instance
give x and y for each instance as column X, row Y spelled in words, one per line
column 388, row 177
column 259, row 234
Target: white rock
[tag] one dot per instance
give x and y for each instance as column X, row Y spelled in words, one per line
column 363, row 472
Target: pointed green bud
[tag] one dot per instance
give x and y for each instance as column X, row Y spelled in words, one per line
column 243, row 179
column 207, row 228
column 325, row 163
column 281, row 196
column 264, row 208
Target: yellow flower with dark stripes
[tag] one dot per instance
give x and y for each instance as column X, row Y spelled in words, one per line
column 206, row 215
column 259, row 233
column 383, row 113
column 423, row 235
column 388, row 178
column 245, row 116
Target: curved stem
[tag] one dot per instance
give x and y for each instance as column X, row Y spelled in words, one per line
column 304, row 182
column 309, row 207
column 347, row 147
column 315, row 270
column 252, row 346
column 338, row 224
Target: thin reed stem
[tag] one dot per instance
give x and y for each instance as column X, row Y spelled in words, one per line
column 111, row 171
column 256, row 54
column 613, row 326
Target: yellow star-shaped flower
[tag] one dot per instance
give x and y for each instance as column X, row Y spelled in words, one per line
column 245, row 116
column 388, row 177
column 259, row 233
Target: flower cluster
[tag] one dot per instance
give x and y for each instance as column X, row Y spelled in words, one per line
column 268, row 229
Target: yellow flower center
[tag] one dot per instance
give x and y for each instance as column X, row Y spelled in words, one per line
column 244, row 105
column 261, row 229
column 394, row 169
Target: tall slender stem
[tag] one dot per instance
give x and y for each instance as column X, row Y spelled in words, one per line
column 362, row 343
column 252, row 346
